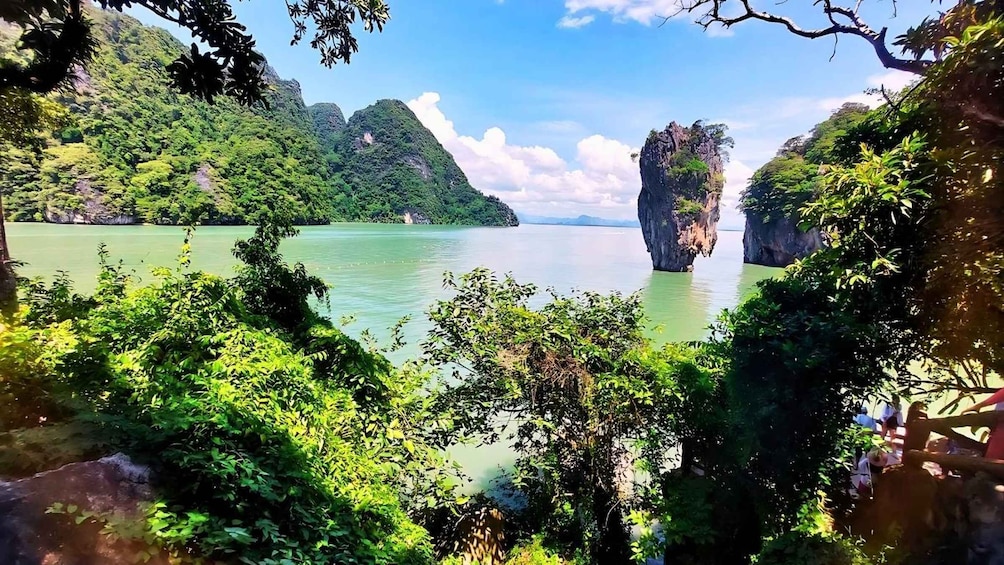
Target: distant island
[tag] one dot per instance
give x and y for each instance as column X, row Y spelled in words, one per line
column 135, row 151
column 580, row 221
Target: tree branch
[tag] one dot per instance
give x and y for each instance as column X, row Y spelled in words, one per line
column 853, row 25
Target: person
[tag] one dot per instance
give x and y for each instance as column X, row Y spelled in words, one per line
column 864, row 420
column 995, row 447
column 861, row 480
column 892, row 418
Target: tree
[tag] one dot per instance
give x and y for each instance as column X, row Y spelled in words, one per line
column 843, row 20
column 22, row 115
column 57, row 35
column 911, row 204
column 578, row 390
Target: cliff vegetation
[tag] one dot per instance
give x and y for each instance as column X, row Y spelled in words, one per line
column 776, row 235
column 131, row 149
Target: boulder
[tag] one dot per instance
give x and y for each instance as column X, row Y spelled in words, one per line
column 30, row 535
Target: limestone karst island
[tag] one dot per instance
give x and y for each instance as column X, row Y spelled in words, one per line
column 561, row 282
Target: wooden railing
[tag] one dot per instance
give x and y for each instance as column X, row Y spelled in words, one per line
column 919, row 429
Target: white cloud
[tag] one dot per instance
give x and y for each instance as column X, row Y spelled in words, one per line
column 737, row 175
column 892, row 82
column 642, row 11
column 603, row 179
column 572, row 22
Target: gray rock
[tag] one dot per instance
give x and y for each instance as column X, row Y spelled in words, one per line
column 92, row 211
column 679, row 213
column 777, row 243
column 30, row 536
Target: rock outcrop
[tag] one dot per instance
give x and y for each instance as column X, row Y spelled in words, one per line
column 777, row 243
column 32, row 535
column 93, row 209
column 681, row 183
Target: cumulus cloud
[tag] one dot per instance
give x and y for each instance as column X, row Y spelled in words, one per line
column 572, row 22
column 642, row 11
column 737, row 176
column 892, row 81
column 535, row 178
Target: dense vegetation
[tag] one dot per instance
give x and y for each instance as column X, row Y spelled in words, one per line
column 780, row 188
column 134, row 150
column 589, row 397
column 392, row 164
column 274, row 436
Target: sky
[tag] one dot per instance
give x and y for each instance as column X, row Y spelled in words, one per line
column 542, row 102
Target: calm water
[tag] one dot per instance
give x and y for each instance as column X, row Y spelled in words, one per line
column 380, row 273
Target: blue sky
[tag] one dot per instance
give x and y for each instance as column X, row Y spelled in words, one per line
column 543, row 101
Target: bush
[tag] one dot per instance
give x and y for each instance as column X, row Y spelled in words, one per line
column 800, row 548
column 534, row 553
column 274, row 445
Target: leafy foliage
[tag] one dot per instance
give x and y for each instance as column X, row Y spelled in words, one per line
column 272, row 445
column 911, row 205
column 57, row 34
column 798, row 548
column 780, row 188
column 575, row 386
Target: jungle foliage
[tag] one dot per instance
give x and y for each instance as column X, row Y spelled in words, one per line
column 56, row 37
column 275, row 438
column 127, row 147
column 577, row 389
column 780, row 188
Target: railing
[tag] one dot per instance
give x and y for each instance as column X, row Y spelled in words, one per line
column 919, row 429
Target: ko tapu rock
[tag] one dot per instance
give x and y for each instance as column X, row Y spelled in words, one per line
column 681, row 186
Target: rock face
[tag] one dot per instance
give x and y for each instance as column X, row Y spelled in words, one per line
column 93, row 209
column 31, row 536
column 777, row 243
column 681, row 182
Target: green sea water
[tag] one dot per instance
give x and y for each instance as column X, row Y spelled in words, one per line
column 380, row 273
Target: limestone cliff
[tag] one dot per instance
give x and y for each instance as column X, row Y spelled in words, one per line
column 136, row 151
column 681, row 184
column 779, row 189
column 398, row 171
column 777, row 243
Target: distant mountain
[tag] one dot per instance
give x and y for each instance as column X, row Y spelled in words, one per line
column 580, row 221
column 137, row 151
column 396, row 166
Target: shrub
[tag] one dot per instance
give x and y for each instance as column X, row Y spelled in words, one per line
column 800, row 548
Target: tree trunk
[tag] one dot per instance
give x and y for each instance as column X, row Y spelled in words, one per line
column 614, row 544
column 8, row 282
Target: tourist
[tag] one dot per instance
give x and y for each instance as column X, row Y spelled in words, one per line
column 864, row 420
column 995, row 448
column 892, row 418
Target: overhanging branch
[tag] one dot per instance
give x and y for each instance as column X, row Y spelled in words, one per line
column 843, row 20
